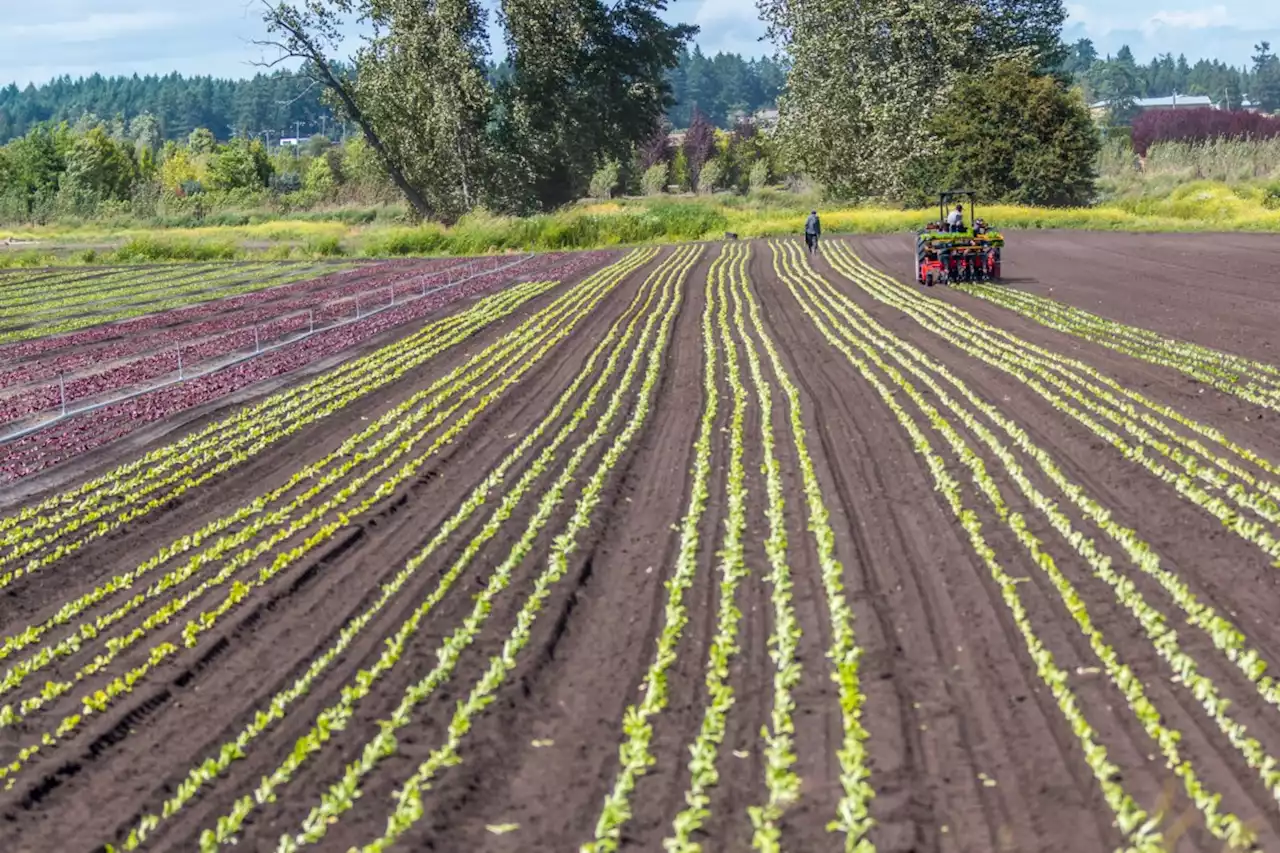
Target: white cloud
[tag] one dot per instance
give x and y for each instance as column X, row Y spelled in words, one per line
column 96, row 26
column 732, row 26
column 1195, row 19
column 1225, row 30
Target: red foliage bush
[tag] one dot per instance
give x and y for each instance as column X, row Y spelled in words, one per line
column 1200, row 125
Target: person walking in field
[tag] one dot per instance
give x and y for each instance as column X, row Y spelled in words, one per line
column 812, row 231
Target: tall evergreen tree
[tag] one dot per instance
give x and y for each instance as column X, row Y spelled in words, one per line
column 1266, row 77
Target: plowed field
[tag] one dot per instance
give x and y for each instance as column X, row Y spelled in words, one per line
column 719, row 547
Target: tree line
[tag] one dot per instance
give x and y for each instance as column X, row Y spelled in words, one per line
column 889, row 101
column 289, row 103
column 1119, row 80
column 282, row 101
column 110, row 168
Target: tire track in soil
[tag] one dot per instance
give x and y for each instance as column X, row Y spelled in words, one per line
column 343, row 591
column 1187, row 534
column 431, row 718
column 928, row 660
column 590, row 658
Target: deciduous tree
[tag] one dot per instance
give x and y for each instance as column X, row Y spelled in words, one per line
column 699, row 145
column 98, row 169
column 865, row 80
column 240, row 165
column 588, row 84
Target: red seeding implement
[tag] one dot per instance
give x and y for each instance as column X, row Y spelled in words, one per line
column 949, row 251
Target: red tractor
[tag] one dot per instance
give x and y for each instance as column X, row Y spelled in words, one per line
column 949, row 251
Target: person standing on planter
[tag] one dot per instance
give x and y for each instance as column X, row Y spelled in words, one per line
column 812, row 231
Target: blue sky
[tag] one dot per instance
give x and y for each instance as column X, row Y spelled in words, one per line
column 40, row 40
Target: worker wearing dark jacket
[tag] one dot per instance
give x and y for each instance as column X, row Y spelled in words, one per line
column 812, row 231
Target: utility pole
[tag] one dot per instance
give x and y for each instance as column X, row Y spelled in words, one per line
column 324, row 124
column 297, row 130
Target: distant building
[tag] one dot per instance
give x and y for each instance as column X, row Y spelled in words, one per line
column 1173, row 102
column 295, row 141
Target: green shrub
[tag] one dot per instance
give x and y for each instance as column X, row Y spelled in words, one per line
column 151, row 249
column 605, row 180
column 326, row 247
column 654, row 181
column 1015, row 136
column 1271, row 196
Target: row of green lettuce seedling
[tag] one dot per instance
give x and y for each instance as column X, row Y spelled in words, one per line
column 342, row 794
column 279, row 705
column 1139, row 828
column 467, row 380
column 107, row 503
column 120, row 686
column 781, row 780
column 1193, row 482
column 732, row 569
column 635, row 755
column 131, row 489
column 1256, row 382
column 403, row 417
column 853, row 818
column 1153, row 622
column 1126, row 402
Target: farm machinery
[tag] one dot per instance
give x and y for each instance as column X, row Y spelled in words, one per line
column 949, row 251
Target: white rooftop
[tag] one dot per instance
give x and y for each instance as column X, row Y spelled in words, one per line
column 1171, row 101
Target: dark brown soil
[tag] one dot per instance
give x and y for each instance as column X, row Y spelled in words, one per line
column 967, row 749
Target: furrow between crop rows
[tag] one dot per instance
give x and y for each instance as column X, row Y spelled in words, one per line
column 618, row 340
